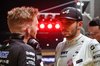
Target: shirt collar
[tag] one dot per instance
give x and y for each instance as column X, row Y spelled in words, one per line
column 16, row 36
column 75, row 40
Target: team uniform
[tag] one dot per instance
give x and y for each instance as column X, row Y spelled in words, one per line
column 80, row 51
column 17, row 53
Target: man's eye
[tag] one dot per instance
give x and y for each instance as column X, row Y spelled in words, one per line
column 92, row 33
column 70, row 22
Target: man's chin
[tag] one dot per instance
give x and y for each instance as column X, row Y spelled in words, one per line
column 66, row 36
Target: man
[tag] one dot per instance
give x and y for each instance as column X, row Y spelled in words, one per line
column 22, row 23
column 78, row 50
column 94, row 29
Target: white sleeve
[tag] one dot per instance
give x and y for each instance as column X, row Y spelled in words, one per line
column 95, row 51
column 56, row 56
column 58, row 51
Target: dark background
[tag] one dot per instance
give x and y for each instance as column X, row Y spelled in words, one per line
column 6, row 5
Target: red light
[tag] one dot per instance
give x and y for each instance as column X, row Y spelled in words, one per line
column 57, row 26
column 75, row 1
column 49, row 26
column 42, row 26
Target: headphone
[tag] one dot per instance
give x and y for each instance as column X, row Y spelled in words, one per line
column 34, row 43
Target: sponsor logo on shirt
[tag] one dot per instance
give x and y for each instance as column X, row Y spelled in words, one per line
column 69, row 62
column 30, row 58
column 30, row 62
column 63, row 56
column 78, row 61
column 64, row 52
column 93, row 46
column 96, row 56
column 30, row 53
column 4, row 54
column 4, row 61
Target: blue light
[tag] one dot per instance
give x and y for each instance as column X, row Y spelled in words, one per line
column 48, row 59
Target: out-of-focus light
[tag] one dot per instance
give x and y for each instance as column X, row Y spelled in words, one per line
column 56, row 39
column 78, row 3
column 47, row 44
column 57, row 26
column 75, row 1
column 82, row 4
column 48, row 59
column 43, row 19
column 42, row 26
column 50, row 19
column 49, row 26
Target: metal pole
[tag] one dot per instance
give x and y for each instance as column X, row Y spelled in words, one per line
column 81, row 6
column 56, row 6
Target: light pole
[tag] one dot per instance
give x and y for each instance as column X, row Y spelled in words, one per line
column 81, row 6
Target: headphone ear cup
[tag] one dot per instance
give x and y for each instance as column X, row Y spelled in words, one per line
column 32, row 42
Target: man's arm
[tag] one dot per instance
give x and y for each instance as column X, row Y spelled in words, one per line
column 95, row 50
column 58, row 50
column 26, row 57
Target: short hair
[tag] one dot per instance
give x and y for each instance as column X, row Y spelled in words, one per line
column 21, row 15
column 95, row 22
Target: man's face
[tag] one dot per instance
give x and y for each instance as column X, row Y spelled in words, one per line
column 94, row 32
column 68, row 28
column 34, row 27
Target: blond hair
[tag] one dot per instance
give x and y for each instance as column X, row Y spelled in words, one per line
column 21, row 15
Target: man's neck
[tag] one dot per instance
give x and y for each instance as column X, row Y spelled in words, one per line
column 73, row 37
column 26, row 38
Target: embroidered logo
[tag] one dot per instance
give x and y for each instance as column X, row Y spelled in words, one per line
column 78, row 61
column 69, row 62
column 67, row 11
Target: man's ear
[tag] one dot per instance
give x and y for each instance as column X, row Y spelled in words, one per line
column 80, row 24
column 27, row 31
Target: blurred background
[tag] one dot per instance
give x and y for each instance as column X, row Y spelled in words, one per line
column 49, row 34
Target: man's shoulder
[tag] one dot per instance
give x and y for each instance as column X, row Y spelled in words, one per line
column 20, row 45
column 25, row 46
column 90, row 41
column 60, row 44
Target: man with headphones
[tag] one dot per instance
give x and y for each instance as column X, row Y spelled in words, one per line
column 22, row 23
column 77, row 50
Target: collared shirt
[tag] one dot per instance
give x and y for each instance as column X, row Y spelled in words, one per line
column 70, row 49
column 81, row 51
